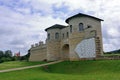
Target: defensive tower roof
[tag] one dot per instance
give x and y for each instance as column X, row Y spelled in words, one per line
column 82, row 15
column 56, row 26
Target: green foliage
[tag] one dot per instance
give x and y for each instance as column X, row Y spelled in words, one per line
column 1, row 61
column 25, row 57
column 1, row 54
column 6, row 56
column 113, row 52
column 111, row 55
column 8, row 53
column 4, row 59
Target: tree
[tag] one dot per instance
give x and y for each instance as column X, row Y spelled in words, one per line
column 1, row 54
column 25, row 57
column 8, row 53
column 28, row 55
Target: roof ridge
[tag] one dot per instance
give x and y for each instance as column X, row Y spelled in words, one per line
column 81, row 14
column 59, row 26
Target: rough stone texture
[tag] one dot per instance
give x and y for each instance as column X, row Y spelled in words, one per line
column 64, row 46
column 53, row 50
column 38, row 53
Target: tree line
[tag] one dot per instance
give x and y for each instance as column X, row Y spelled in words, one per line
column 8, row 56
column 5, row 56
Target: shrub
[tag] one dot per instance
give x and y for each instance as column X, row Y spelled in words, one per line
column 4, row 59
column 1, row 61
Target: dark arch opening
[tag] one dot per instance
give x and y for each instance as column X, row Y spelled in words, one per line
column 65, row 52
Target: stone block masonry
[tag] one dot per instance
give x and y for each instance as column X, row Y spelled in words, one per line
column 66, row 42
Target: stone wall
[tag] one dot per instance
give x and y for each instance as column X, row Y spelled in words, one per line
column 53, row 50
column 38, row 53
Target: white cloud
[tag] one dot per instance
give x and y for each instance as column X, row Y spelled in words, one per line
column 26, row 20
column 17, row 28
column 114, row 32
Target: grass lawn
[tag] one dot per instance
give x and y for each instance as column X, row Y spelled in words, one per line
column 79, row 70
column 16, row 64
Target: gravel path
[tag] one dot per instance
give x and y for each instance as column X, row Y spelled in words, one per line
column 27, row 67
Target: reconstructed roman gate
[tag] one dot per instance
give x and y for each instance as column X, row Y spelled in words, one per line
column 80, row 39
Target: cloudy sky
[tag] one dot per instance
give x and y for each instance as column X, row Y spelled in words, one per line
column 22, row 22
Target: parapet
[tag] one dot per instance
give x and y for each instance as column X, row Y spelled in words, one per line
column 40, row 44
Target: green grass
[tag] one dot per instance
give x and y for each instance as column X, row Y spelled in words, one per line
column 86, row 67
column 79, row 70
column 16, row 64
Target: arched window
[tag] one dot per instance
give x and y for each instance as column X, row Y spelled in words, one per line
column 48, row 36
column 67, row 34
column 81, row 27
column 63, row 35
column 70, row 28
column 56, row 35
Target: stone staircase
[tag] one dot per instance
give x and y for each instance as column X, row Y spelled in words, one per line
column 98, row 46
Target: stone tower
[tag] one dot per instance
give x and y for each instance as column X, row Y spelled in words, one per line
column 53, row 42
column 83, row 28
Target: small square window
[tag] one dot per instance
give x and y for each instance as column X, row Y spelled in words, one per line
column 89, row 26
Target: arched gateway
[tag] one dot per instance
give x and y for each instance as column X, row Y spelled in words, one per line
column 65, row 52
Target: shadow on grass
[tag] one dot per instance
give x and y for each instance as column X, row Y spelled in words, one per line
column 84, row 67
column 71, row 67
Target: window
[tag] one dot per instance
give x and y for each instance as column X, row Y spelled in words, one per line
column 67, row 34
column 70, row 28
column 56, row 35
column 81, row 27
column 89, row 26
column 63, row 35
column 48, row 36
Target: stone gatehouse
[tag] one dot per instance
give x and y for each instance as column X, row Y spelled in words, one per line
column 80, row 39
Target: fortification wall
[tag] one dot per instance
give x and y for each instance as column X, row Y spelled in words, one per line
column 62, row 42
column 38, row 53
